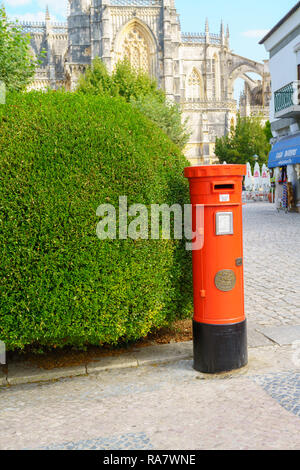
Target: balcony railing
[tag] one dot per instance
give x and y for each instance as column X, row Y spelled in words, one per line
column 287, row 96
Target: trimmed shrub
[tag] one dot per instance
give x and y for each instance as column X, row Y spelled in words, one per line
column 61, row 156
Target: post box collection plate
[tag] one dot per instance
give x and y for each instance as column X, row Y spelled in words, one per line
column 224, row 223
column 225, row 280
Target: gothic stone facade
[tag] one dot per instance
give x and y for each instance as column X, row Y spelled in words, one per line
column 196, row 70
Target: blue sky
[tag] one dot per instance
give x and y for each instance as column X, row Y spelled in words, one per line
column 248, row 21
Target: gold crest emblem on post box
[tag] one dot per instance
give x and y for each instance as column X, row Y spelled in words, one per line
column 225, row 280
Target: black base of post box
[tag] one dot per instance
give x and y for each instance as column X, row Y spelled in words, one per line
column 220, row 348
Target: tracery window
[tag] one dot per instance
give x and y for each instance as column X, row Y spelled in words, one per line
column 195, row 86
column 136, row 49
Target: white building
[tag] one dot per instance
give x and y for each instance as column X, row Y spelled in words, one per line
column 283, row 45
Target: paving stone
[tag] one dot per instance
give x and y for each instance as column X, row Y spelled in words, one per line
column 138, row 441
column 272, row 265
column 282, row 335
column 284, row 387
column 114, row 362
column 162, row 407
column 256, row 339
column 21, row 373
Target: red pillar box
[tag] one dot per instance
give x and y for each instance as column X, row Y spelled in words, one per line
column 219, row 326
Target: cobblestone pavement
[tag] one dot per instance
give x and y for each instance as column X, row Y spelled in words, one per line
column 164, row 407
column 272, row 265
column 171, row 406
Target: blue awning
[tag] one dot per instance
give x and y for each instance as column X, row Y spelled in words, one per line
column 285, row 152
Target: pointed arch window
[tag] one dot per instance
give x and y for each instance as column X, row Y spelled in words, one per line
column 194, row 86
column 136, row 49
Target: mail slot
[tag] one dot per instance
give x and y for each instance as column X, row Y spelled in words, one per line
column 219, row 324
column 224, row 187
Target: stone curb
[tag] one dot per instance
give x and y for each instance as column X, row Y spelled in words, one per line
column 3, row 379
column 25, row 373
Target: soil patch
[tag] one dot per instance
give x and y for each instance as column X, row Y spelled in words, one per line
column 180, row 331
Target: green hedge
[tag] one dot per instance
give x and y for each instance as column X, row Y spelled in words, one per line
column 61, row 156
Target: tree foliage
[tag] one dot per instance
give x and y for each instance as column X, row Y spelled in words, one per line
column 268, row 131
column 141, row 91
column 17, row 66
column 166, row 115
column 247, row 139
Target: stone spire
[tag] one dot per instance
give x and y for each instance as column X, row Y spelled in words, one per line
column 206, row 26
column 47, row 21
column 227, row 36
column 227, row 32
column 222, row 33
column 47, row 15
column 222, row 29
column 207, row 30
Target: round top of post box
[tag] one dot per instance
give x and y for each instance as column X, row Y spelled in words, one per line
column 215, row 170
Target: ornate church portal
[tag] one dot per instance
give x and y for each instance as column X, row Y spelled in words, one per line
column 197, row 70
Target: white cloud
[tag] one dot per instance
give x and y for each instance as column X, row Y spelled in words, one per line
column 56, row 7
column 33, row 17
column 255, row 33
column 17, row 3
